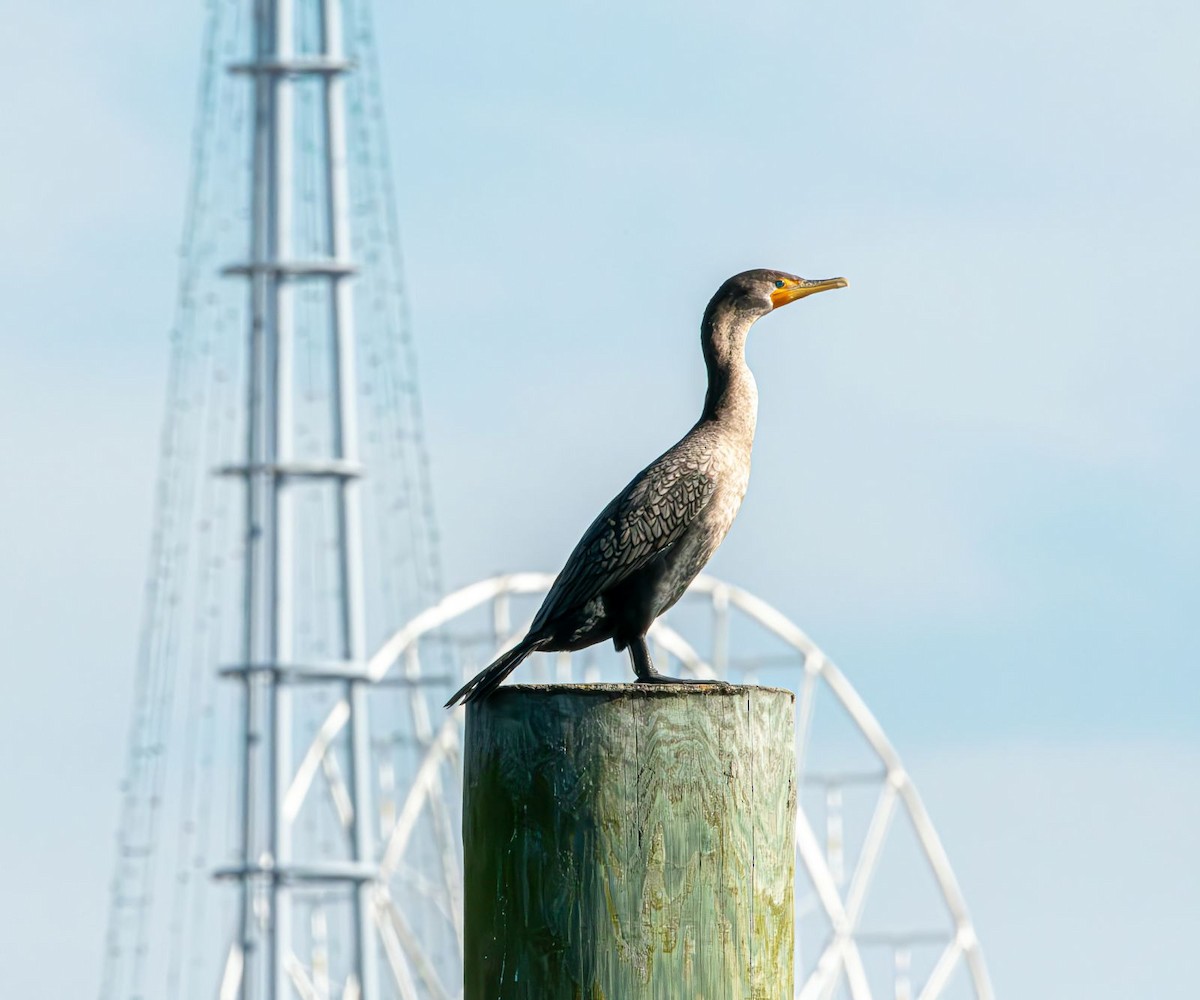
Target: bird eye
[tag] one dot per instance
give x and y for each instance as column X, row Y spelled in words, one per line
column 779, row 284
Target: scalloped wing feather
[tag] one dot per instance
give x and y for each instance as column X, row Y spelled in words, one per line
column 649, row 516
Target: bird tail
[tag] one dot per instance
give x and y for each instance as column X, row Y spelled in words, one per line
column 491, row 676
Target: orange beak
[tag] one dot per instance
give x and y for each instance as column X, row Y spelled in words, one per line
column 797, row 289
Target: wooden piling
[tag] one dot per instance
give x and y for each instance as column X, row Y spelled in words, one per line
column 629, row 842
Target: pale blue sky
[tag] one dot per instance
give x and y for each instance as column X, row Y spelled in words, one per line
column 976, row 475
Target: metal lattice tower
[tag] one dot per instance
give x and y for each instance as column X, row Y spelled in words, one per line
column 273, row 478
column 250, row 753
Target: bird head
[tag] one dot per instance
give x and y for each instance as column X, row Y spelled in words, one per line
column 760, row 291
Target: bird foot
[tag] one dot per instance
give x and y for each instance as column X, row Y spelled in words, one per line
column 645, row 672
column 655, row 677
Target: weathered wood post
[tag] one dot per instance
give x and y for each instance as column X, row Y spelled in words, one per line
column 624, row 842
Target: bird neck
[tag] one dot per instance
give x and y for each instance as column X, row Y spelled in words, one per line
column 732, row 397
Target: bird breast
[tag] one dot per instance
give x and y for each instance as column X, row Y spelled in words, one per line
column 729, row 446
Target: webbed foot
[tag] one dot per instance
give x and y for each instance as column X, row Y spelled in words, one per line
column 657, row 678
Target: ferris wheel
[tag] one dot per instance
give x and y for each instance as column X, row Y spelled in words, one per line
column 879, row 911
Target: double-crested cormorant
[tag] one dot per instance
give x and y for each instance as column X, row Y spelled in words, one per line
column 638, row 557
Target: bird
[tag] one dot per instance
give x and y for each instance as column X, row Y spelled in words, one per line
column 643, row 550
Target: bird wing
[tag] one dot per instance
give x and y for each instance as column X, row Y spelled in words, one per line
column 644, row 519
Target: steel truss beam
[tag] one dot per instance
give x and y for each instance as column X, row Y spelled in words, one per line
column 263, row 964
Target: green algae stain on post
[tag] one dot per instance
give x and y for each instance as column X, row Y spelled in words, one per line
column 629, row 842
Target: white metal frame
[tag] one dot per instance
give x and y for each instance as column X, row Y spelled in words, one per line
column 842, row 900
